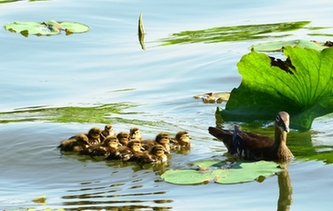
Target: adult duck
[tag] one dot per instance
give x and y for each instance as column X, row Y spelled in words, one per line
column 254, row 146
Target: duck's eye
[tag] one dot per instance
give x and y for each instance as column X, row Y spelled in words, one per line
column 277, row 118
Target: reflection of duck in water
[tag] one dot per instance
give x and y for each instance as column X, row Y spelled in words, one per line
column 108, row 131
column 75, row 143
column 135, row 134
column 253, row 146
column 162, row 138
column 155, row 155
column 181, row 141
column 123, row 138
column 106, row 148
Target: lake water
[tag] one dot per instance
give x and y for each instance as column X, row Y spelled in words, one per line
column 107, row 65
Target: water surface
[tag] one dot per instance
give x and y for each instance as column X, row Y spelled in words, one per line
column 107, row 65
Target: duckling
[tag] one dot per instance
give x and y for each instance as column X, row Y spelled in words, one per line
column 108, row 131
column 106, row 148
column 94, row 135
column 75, row 143
column 181, row 141
column 129, row 152
column 162, row 138
column 135, row 134
column 123, row 138
column 155, row 155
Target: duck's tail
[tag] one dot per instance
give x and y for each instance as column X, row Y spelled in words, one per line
column 225, row 136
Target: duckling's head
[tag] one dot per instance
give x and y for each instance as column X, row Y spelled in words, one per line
column 123, row 138
column 163, row 138
column 135, row 145
column 157, row 150
column 135, row 133
column 111, row 141
column 182, row 136
column 82, row 139
column 108, row 127
column 95, row 132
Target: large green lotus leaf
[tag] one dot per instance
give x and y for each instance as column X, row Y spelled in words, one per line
column 221, row 172
column 301, row 85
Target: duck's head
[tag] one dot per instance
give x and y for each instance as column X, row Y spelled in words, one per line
column 163, row 138
column 94, row 132
column 157, row 150
column 108, row 127
column 123, row 138
column 282, row 121
column 135, row 145
column 182, row 136
column 82, row 139
column 111, row 141
column 135, row 133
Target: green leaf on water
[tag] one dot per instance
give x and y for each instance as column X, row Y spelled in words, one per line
column 46, row 28
column 301, row 85
column 278, row 45
column 221, row 172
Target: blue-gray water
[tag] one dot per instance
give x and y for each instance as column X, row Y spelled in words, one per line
column 90, row 68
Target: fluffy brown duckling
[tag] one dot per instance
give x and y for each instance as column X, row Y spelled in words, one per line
column 94, row 135
column 129, row 152
column 135, row 134
column 108, row 131
column 75, row 143
column 108, row 147
column 181, row 141
column 162, row 138
column 155, row 155
column 253, row 146
column 123, row 138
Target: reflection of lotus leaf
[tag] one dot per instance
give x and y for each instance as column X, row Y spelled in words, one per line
column 47, row 28
column 222, row 172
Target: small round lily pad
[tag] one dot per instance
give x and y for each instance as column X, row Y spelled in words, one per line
column 47, row 28
column 221, row 172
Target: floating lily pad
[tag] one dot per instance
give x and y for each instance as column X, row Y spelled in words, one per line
column 222, row 172
column 278, row 45
column 210, row 97
column 47, row 28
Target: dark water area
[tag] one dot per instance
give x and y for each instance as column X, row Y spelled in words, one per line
column 107, row 66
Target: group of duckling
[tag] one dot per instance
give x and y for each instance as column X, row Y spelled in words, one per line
column 125, row 146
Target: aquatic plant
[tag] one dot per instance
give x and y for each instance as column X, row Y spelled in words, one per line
column 221, row 172
column 301, row 85
column 47, row 28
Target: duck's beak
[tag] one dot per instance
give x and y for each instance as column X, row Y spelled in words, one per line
column 286, row 128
